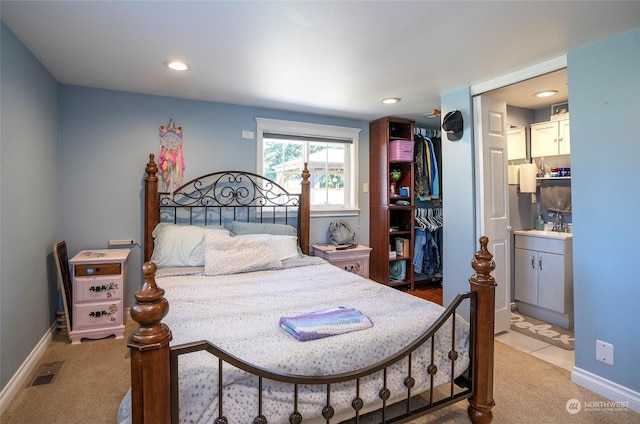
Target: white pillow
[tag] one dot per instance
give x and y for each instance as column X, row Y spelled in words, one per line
column 181, row 245
column 286, row 246
column 241, row 228
column 233, row 255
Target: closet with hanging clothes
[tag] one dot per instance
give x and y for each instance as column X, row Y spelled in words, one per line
column 427, row 252
column 427, row 258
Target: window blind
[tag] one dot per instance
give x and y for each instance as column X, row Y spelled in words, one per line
column 292, row 137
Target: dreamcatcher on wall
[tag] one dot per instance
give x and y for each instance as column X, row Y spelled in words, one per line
column 170, row 161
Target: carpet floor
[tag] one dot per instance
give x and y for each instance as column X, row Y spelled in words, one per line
column 95, row 376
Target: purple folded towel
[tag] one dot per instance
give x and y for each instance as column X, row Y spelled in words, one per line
column 325, row 323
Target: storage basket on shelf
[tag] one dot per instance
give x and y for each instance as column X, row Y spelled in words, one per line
column 401, row 151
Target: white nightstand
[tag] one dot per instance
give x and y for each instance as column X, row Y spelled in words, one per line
column 354, row 260
column 98, row 278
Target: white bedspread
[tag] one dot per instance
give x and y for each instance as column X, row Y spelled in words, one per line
column 240, row 313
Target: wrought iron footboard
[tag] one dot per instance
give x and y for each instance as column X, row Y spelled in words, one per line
column 459, row 388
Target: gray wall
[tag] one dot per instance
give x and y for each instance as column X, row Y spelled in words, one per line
column 105, row 141
column 604, row 86
column 605, row 203
column 29, row 207
column 78, row 176
column 73, row 161
column 458, row 200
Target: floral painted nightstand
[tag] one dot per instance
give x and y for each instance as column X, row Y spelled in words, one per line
column 98, row 293
column 354, row 260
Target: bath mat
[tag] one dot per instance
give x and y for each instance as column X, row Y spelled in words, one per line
column 542, row 331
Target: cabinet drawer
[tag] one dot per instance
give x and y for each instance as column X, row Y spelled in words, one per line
column 541, row 244
column 102, row 314
column 360, row 267
column 97, row 269
column 92, row 289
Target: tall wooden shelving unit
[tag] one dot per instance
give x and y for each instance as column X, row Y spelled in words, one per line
column 388, row 220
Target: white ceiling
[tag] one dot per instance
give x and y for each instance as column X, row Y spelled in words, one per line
column 334, row 58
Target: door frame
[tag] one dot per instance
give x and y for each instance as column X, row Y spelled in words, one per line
column 500, row 82
column 519, row 76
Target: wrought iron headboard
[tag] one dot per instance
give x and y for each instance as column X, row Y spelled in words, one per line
column 219, row 198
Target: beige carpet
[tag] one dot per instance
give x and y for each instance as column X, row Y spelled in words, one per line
column 95, row 377
column 87, row 390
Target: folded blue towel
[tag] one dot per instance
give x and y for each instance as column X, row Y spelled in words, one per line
column 325, row 323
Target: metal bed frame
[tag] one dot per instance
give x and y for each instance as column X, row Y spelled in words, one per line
column 222, row 197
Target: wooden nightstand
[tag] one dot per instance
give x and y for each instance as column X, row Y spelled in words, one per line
column 354, row 260
column 98, row 278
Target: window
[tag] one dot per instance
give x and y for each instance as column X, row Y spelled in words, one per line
column 331, row 154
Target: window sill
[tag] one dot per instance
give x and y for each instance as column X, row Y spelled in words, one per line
column 320, row 213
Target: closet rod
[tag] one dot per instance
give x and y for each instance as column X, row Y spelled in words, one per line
column 427, row 132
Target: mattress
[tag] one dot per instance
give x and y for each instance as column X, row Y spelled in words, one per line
column 240, row 314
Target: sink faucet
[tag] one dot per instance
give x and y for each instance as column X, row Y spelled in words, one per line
column 558, row 225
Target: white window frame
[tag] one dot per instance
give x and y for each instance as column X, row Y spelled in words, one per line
column 351, row 207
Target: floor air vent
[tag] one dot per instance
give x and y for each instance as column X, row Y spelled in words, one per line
column 47, row 373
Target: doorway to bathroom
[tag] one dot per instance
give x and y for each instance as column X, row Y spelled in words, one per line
column 549, row 195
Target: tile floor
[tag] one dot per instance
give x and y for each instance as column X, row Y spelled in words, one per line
column 553, row 354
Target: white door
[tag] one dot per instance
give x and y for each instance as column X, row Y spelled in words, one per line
column 492, row 196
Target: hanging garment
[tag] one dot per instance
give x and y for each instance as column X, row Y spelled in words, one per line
column 434, row 180
column 427, row 250
column 422, row 178
column 427, row 174
column 418, row 250
column 432, row 263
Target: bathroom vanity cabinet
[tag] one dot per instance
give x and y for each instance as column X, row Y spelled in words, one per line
column 544, row 276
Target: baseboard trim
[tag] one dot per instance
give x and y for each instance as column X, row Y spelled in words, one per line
column 606, row 388
column 17, row 381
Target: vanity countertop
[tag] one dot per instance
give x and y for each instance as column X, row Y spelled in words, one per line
column 545, row 234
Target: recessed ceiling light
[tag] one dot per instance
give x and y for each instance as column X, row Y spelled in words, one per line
column 546, row 93
column 390, row 100
column 176, row 65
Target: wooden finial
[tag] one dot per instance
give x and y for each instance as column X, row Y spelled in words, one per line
column 305, row 174
column 483, row 264
column 149, row 309
column 151, row 169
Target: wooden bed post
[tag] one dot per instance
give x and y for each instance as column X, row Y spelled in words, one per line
column 304, row 211
column 150, row 354
column 150, row 206
column 483, row 284
column 149, row 343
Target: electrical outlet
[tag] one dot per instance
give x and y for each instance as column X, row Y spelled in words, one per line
column 604, row 352
column 123, row 242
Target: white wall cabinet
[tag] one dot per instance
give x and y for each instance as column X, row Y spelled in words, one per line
column 550, row 138
column 516, row 143
column 544, row 278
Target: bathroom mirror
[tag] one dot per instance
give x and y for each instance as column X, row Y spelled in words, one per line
column 516, row 143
